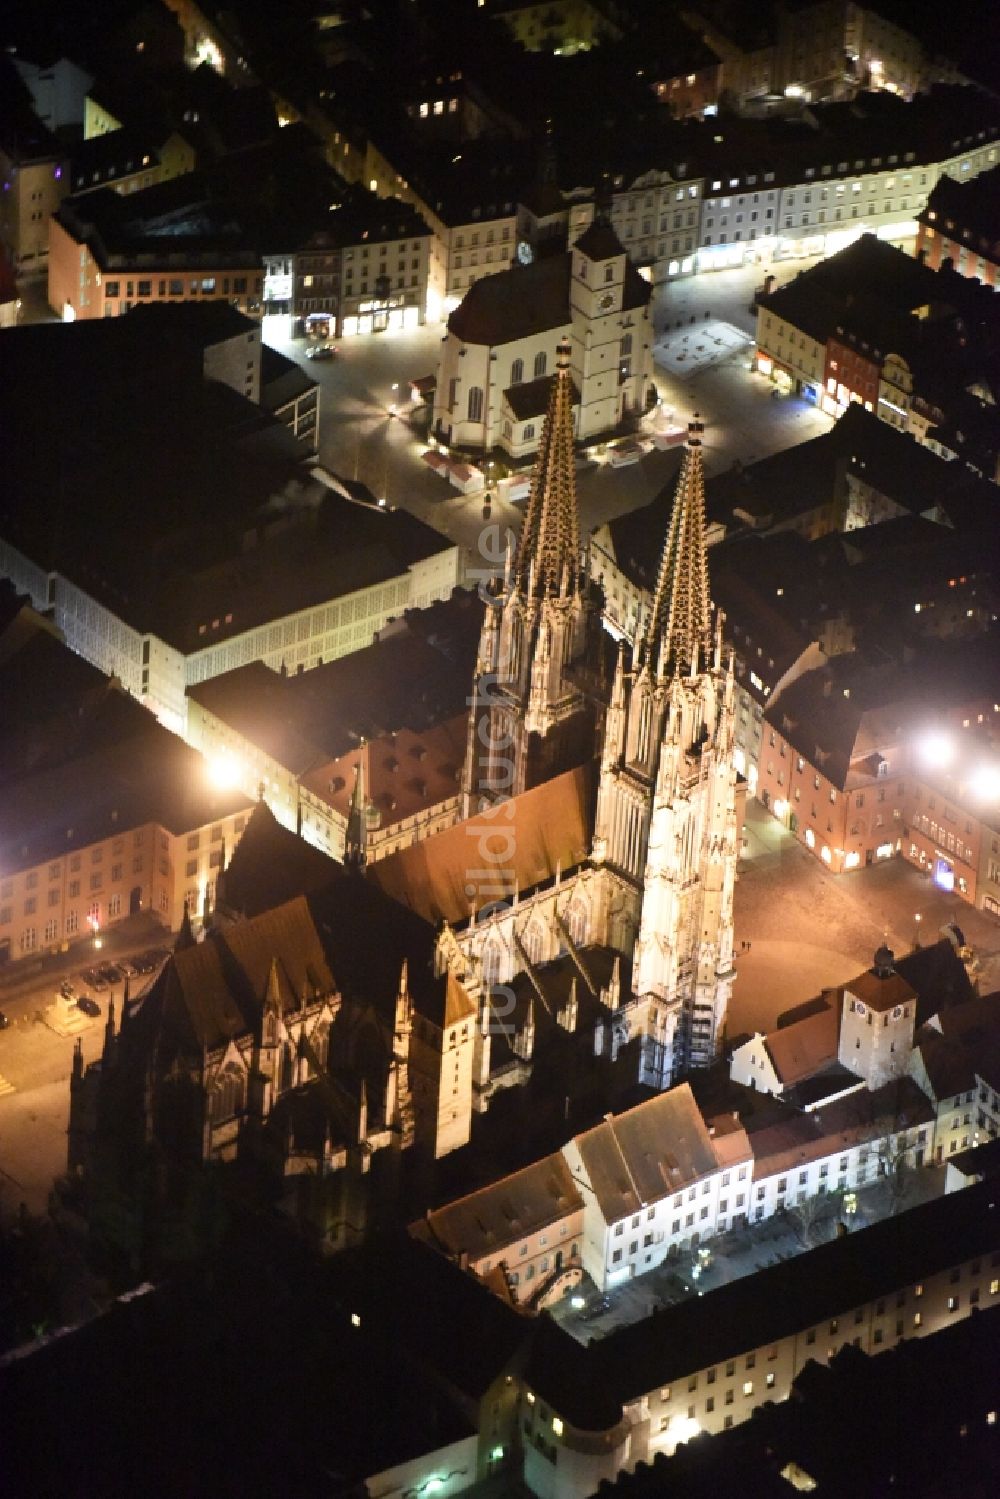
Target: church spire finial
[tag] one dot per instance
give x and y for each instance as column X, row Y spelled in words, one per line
column 679, row 631
column 550, row 540
column 185, row 937
column 356, row 837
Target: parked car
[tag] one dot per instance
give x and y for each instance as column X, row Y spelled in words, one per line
column 87, row 1005
column 111, row 972
column 148, row 962
column 321, row 351
column 129, row 969
column 94, row 978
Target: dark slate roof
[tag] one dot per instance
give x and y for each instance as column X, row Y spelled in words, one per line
column 173, row 223
column 367, row 936
column 258, row 1342
column 282, row 380
column 413, row 1301
column 271, row 865
column 599, row 241
column 202, row 324
column 67, row 726
column 363, row 215
column 532, row 398
column 212, row 991
column 339, row 548
column 116, row 153
column 938, row 976
column 816, row 299
column 415, row 676
column 23, row 137
column 973, row 207
column 835, row 1434
column 515, row 303
column 529, row 299
column 983, row 1158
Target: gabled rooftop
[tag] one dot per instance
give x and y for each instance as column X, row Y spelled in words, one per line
column 637, row 1158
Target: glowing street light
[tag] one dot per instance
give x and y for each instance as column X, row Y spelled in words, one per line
column 683, row 1428
column 936, row 750
column 224, row 772
column 986, row 782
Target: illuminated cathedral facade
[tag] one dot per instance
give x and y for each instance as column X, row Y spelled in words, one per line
column 649, row 887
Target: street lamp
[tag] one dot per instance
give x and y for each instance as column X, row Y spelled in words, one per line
column 224, row 771
column 916, row 929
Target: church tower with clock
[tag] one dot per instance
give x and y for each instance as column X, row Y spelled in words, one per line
column 611, row 334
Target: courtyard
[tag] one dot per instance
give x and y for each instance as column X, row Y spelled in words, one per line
column 809, row 930
column 686, row 353
column 741, row 1252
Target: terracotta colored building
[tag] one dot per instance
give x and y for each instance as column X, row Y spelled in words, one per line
column 961, row 223
column 109, row 253
column 853, row 367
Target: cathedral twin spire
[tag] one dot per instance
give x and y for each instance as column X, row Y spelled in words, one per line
column 548, row 553
column 678, row 634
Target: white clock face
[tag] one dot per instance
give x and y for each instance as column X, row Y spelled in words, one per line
column 525, row 253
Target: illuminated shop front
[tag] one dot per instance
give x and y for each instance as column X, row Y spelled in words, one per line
column 832, row 241
column 383, row 315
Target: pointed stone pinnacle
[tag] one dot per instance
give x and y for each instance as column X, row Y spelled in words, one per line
column 679, row 632
column 550, row 540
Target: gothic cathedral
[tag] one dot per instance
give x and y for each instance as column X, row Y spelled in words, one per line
column 666, row 810
column 665, row 832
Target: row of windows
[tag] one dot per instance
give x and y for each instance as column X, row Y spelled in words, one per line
column 833, row 1329
column 76, row 860
column 54, row 897
column 628, row 230
column 488, row 237
column 178, row 287
column 517, row 369
column 28, row 940
column 724, row 221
